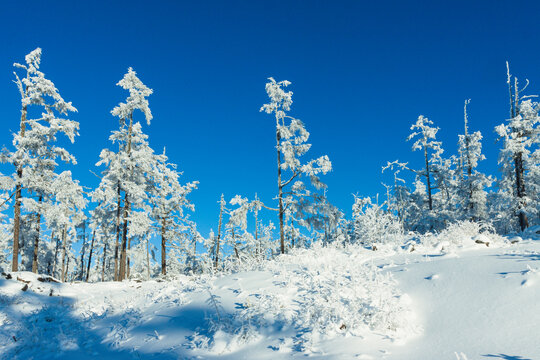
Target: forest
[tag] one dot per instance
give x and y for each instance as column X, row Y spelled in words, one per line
column 52, row 224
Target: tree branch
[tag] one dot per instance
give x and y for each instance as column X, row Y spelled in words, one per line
column 269, row 208
column 9, row 197
column 296, row 173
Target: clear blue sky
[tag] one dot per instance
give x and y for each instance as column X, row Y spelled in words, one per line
column 361, row 73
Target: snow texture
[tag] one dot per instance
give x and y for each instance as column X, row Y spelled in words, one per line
column 445, row 299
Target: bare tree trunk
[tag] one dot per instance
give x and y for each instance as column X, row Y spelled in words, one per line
column 90, row 255
column 123, row 256
column 127, row 258
column 103, row 265
column 67, row 269
column 518, row 157
column 280, row 192
column 147, row 258
column 222, row 205
column 259, row 247
column 122, row 271
column 428, row 180
column 163, row 249
column 16, row 224
column 292, row 234
column 17, row 207
column 235, row 244
column 63, row 274
column 36, row 240
column 83, row 250
column 55, row 254
column 194, row 244
column 520, row 190
column 118, row 211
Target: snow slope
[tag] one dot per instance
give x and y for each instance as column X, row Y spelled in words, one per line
column 327, row 303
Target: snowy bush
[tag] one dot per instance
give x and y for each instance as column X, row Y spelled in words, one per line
column 463, row 234
column 330, row 291
column 372, row 224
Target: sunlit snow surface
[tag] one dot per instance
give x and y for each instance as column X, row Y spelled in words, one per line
column 327, row 303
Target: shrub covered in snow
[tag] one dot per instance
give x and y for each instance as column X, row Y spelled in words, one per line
column 463, row 234
column 322, row 292
column 373, row 225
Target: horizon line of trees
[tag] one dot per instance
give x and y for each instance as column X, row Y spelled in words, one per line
column 140, row 196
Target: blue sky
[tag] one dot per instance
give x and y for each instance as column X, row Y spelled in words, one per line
column 361, row 73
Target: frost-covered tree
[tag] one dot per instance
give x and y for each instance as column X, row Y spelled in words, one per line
column 217, row 243
column 291, row 144
column 471, row 193
column 426, row 142
column 139, row 188
column 168, row 200
column 35, row 154
column 124, row 183
column 435, row 184
column 247, row 247
column 399, row 196
column 133, row 156
column 66, row 212
column 518, row 155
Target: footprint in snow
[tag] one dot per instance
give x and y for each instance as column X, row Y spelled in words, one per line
column 364, row 357
column 530, row 276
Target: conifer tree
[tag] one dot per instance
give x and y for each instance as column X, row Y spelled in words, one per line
column 518, row 156
column 168, row 200
column 472, row 197
column 291, row 144
column 35, row 155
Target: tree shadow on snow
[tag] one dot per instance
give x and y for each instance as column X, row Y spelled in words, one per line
column 38, row 326
column 520, row 257
column 506, row 357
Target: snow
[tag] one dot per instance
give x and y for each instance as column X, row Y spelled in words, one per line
column 464, row 300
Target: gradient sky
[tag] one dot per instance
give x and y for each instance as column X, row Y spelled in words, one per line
column 361, row 73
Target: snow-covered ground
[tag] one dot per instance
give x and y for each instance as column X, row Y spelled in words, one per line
column 438, row 302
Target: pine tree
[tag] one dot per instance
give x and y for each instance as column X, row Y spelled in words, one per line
column 124, row 183
column 427, row 143
column 517, row 157
column 35, row 154
column 168, row 201
column 291, row 144
column 472, row 197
